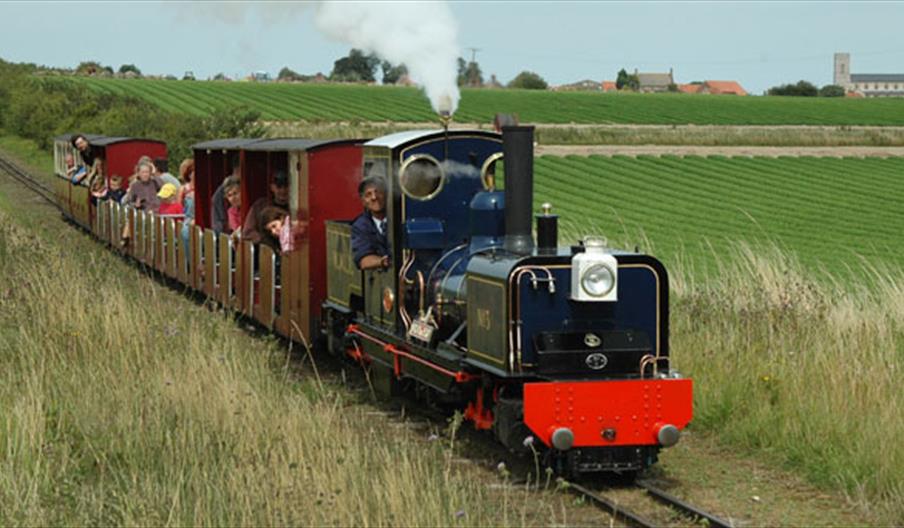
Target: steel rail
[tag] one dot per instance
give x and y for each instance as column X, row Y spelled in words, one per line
column 610, row 506
column 684, row 507
column 26, row 179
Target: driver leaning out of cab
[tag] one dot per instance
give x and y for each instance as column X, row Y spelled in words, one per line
column 370, row 246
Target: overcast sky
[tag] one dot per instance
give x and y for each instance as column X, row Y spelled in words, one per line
column 759, row 44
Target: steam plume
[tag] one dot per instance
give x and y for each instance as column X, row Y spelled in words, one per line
column 422, row 35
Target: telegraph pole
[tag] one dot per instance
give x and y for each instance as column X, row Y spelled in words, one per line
column 473, row 53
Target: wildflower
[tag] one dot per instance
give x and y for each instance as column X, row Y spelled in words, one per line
column 500, row 467
column 459, row 514
column 433, row 437
column 528, row 441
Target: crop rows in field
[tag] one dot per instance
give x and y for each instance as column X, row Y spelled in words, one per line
column 332, row 102
column 831, row 212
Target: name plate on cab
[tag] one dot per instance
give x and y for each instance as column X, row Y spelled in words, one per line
column 421, row 330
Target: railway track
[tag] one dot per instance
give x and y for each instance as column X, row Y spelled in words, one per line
column 692, row 513
column 27, row 180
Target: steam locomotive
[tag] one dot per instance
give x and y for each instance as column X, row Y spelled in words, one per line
column 559, row 349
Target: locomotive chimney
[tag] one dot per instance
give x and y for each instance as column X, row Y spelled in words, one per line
column 518, row 157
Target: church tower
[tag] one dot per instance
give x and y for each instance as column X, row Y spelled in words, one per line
column 842, row 69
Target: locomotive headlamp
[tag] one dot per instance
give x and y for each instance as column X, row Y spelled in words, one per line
column 594, row 273
column 597, row 280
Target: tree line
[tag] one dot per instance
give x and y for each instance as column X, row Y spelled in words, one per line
column 42, row 107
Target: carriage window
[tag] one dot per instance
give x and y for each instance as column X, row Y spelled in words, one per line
column 492, row 174
column 421, row 177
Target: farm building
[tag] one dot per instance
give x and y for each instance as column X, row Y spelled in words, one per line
column 714, row 88
column 867, row 84
column 654, row 82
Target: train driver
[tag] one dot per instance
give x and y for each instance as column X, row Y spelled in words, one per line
column 370, row 245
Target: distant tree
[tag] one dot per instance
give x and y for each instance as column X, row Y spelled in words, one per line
column 462, row 78
column 188, row 76
column 528, row 81
column 392, row 74
column 126, row 68
column 220, row 77
column 287, row 74
column 622, row 79
column 170, row 77
column 355, row 67
column 801, row 89
column 473, row 75
column 831, row 90
column 673, row 87
column 89, row 68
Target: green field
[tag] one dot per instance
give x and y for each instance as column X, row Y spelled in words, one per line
column 329, row 102
column 833, row 212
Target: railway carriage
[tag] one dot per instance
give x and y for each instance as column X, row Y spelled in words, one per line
column 282, row 292
column 120, row 155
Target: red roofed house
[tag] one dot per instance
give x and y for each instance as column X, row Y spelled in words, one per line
column 722, row 88
column 609, row 86
column 689, row 88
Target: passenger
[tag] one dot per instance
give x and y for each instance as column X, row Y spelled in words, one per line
column 97, row 172
column 187, row 189
column 219, row 220
column 161, row 170
column 279, row 190
column 169, row 204
column 71, row 167
column 115, row 192
column 143, row 190
column 80, row 142
column 277, row 225
column 232, row 189
column 270, row 222
column 370, row 246
column 98, row 191
column 187, row 199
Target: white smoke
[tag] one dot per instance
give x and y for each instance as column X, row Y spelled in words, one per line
column 421, row 35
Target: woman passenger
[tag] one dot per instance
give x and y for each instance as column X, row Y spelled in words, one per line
column 144, row 188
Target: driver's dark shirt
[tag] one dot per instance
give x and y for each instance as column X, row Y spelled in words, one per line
column 366, row 239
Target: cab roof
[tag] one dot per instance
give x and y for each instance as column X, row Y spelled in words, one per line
column 392, row 141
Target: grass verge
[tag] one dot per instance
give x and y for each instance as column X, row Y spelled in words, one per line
column 127, row 405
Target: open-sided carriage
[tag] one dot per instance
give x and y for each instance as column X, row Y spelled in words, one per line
column 281, row 291
column 119, row 155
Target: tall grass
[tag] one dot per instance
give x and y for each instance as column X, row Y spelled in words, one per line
column 121, row 406
column 794, row 362
column 807, row 370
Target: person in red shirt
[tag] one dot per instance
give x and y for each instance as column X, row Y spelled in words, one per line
column 169, row 202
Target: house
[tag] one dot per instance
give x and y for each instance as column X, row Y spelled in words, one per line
column 609, row 86
column 654, row 82
column 722, row 88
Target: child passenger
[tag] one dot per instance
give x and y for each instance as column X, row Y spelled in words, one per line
column 169, row 202
column 232, row 191
column 115, row 192
column 281, row 232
